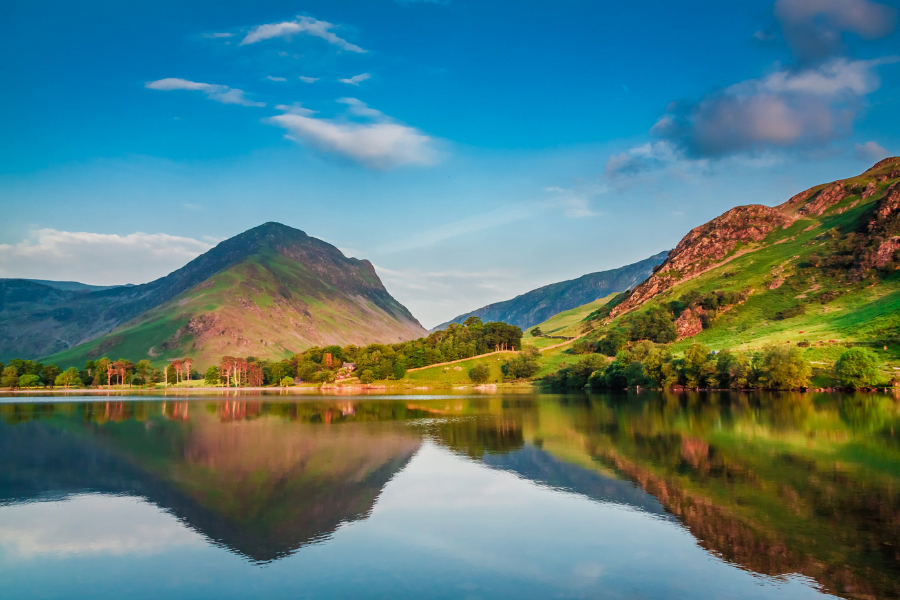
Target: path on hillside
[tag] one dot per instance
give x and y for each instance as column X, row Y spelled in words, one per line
column 451, row 362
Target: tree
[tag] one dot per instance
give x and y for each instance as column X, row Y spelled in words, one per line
column 857, row 367
column 783, row 368
column 480, row 373
column 10, row 377
column 29, row 380
column 287, row 381
column 49, row 373
column 697, row 365
column 143, row 369
column 611, row 343
column 582, row 346
column 536, row 332
column 69, row 378
column 212, row 376
column 367, row 376
column 399, row 370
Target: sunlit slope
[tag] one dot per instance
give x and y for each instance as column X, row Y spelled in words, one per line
column 821, row 267
column 567, row 324
column 281, row 297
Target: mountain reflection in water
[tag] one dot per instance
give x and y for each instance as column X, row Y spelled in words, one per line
column 778, row 485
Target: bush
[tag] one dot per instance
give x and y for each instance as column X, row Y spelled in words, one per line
column 524, row 364
column 399, row 370
column 857, row 367
column 27, row 381
column 611, row 343
column 367, row 376
column 287, row 381
column 69, row 378
column 582, row 346
column 536, row 332
column 783, row 368
column 480, row 373
column 794, row 311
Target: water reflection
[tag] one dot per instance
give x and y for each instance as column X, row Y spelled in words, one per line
column 779, row 485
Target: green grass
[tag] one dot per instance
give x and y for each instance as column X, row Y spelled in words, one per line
column 564, row 324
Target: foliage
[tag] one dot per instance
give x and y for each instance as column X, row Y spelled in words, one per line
column 611, row 343
column 69, row 378
column 28, row 381
column 287, row 382
column 10, row 377
column 536, row 332
column 582, row 346
column 656, row 323
column 480, row 373
column 212, row 376
column 783, row 368
column 857, row 367
column 523, row 365
column 367, row 376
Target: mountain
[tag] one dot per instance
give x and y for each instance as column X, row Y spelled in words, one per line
column 74, row 286
column 538, row 305
column 821, row 266
column 267, row 292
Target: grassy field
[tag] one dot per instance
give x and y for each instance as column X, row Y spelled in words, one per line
column 564, row 324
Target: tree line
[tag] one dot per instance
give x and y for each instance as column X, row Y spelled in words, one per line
column 317, row 364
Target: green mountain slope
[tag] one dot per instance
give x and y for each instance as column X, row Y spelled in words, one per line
column 536, row 306
column 267, row 292
column 822, row 267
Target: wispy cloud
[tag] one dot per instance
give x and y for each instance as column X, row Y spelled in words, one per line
column 356, row 79
column 379, row 144
column 870, row 152
column 308, row 79
column 219, row 93
column 302, row 25
column 215, row 36
column 271, row 78
column 71, row 255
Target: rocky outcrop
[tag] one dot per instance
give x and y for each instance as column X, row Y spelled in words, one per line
column 705, row 247
column 689, row 323
column 824, row 200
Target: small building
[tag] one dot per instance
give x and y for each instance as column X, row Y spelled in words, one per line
column 350, row 367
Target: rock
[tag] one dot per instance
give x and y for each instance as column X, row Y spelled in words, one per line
column 689, row 323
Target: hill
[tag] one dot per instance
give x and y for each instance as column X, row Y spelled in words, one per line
column 266, row 292
column 536, row 306
column 818, row 269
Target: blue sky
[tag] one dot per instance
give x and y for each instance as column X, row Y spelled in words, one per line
column 471, row 150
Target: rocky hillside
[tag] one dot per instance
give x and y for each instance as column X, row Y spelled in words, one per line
column 267, row 292
column 538, row 305
column 823, row 265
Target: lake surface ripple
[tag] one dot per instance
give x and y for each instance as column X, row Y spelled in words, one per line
column 454, row 496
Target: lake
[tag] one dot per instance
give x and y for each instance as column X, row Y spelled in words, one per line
column 515, row 495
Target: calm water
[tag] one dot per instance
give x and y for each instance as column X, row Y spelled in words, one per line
column 494, row 496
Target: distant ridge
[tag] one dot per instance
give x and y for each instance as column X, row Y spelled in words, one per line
column 539, row 305
column 75, row 286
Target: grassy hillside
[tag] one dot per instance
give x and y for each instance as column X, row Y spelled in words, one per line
column 282, row 296
column 567, row 324
column 819, row 269
column 535, row 306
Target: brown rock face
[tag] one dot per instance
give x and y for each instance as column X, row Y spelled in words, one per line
column 689, row 323
column 825, row 199
column 704, row 246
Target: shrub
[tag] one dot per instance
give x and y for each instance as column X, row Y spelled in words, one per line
column 399, row 370
column 582, row 346
column 536, row 332
column 287, row 381
column 857, row 367
column 480, row 373
column 794, row 311
column 367, row 376
column 524, row 364
column 611, row 343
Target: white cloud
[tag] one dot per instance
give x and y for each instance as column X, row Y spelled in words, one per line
column 305, row 79
column 360, row 108
column 218, row 35
column 75, row 256
column 870, row 152
column 270, row 78
column 296, row 108
column 304, row 25
column 840, row 76
column 383, row 144
column 356, row 79
column 219, row 93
